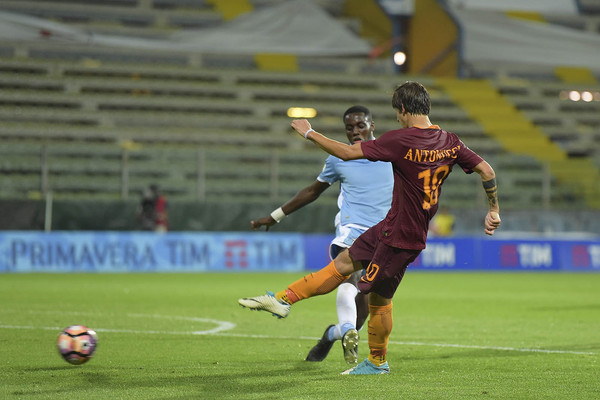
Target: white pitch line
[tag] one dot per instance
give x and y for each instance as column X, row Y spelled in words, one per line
column 459, row 346
column 219, row 332
column 467, row 346
column 58, row 329
column 221, row 325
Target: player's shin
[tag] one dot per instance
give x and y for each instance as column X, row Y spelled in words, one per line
column 379, row 328
column 346, row 309
column 321, row 282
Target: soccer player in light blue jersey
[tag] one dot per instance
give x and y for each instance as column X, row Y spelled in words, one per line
column 359, row 210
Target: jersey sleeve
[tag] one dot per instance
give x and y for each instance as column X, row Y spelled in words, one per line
column 329, row 173
column 467, row 158
column 380, row 149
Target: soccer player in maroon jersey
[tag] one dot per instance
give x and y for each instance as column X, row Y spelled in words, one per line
column 422, row 157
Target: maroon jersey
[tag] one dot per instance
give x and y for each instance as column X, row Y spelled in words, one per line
column 421, row 159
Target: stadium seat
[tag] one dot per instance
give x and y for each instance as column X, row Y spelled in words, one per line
column 214, row 126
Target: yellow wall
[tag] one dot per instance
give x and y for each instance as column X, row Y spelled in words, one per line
column 231, row 8
column 575, row 75
column 276, row 62
column 375, row 25
column 432, row 32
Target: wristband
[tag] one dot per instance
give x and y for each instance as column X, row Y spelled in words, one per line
column 278, row 215
column 306, row 133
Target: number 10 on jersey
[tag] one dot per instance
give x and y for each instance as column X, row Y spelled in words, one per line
column 431, row 184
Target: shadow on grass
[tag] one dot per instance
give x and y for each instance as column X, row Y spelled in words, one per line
column 63, row 381
column 42, row 369
column 265, row 382
column 214, row 381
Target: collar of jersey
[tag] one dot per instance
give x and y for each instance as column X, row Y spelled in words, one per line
column 429, row 127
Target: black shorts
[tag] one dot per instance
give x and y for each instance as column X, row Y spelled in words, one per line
column 385, row 264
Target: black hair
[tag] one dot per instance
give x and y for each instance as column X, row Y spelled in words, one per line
column 414, row 97
column 359, row 109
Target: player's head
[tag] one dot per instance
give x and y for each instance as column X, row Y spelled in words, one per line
column 413, row 98
column 359, row 124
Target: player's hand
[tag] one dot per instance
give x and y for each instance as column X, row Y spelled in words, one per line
column 492, row 222
column 264, row 221
column 301, row 126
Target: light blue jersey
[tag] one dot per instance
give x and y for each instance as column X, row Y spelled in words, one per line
column 365, row 195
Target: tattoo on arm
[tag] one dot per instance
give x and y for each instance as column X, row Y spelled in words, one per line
column 491, row 189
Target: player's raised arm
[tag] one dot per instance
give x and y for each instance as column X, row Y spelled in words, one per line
column 488, row 179
column 340, row 150
column 302, row 198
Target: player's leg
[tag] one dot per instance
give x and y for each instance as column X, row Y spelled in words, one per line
column 361, row 302
column 345, row 303
column 321, row 282
column 381, row 281
column 362, row 309
column 349, row 322
column 346, row 310
column 345, row 329
column 379, row 327
column 320, row 351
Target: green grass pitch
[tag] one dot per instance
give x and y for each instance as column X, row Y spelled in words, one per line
column 183, row 336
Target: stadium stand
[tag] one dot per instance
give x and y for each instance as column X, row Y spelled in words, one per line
column 587, row 20
column 92, row 122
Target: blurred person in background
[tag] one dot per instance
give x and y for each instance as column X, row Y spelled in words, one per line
column 443, row 223
column 152, row 211
column 359, row 210
column 422, row 157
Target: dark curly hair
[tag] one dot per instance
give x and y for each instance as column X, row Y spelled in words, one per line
column 358, row 109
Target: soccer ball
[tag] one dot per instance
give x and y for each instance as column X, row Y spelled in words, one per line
column 77, row 344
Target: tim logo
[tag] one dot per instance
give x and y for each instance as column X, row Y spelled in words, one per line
column 585, row 256
column 236, row 253
column 439, row 255
column 509, row 257
column 526, row 255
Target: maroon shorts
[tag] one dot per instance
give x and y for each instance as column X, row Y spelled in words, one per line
column 385, row 264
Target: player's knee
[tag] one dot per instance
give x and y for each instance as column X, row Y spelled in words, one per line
column 347, row 289
column 378, row 300
column 343, row 264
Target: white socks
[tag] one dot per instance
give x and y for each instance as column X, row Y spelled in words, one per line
column 346, row 311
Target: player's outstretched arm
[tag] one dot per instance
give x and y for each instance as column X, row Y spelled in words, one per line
column 340, row 150
column 263, row 221
column 302, row 198
column 488, row 179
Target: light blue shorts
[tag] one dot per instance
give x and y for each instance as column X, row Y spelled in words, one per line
column 345, row 235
